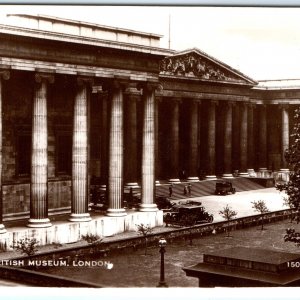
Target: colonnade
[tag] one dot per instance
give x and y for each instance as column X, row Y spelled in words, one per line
column 247, row 142
column 113, row 122
column 80, row 150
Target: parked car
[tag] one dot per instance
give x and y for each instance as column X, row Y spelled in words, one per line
column 224, row 188
column 163, row 203
column 187, row 214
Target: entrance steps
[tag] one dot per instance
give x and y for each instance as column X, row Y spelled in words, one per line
column 206, row 188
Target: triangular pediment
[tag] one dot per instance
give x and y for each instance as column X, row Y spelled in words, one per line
column 194, row 63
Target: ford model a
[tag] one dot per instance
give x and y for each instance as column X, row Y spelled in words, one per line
column 187, row 214
column 224, row 188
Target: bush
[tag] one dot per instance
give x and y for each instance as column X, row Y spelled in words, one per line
column 91, row 238
column 26, row 246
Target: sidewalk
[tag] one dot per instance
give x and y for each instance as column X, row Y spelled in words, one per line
column 241, row 202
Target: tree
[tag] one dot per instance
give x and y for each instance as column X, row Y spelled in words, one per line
column 260, row 206
column 292, row 156
column 289, row 204
column 292, row 236
column 144, row 230
column 228, row 214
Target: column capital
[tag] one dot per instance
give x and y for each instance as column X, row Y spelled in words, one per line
column 115, row 84
column 196, row 101
column 150, row 86
column 5, row 74
column 244, row 104
column 230, row 103
column 214, row 102
column 40, row 77
column 252, row 105
column 84, row 80
column 261, row 105
column 176, row 100
column 159, row 99
column 284, row 106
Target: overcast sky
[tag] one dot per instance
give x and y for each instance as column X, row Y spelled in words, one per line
column 263, row 43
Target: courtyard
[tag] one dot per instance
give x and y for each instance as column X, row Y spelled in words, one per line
column 132, row 268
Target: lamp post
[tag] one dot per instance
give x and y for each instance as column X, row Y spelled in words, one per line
column 162, row 244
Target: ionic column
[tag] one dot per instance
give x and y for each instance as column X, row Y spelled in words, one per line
column 262, row 139
column 244, row 140
column 193, row 142
column 115, row 151
column 131, row 143
column 250, row 138
column 39, row 155
column 211, row 142
column 148, row 150
column 174, row 141
column 3, row 75
column 157, row 150
column 103, row 146
column 79, row 205
column 285, row 135
column 228, row 141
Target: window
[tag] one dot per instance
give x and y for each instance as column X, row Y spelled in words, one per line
column 23, row 163
column 64, row 153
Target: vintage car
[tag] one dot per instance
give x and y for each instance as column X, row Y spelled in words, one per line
column 163, row 203
column 224, row 188
column 133, row 200
column 187, row 214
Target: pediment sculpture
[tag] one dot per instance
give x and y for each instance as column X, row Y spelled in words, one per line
column 193, row 65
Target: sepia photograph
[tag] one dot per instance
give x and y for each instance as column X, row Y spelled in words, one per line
column 149, row 146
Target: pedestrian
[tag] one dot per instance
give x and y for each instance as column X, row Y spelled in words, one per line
column 185, row 190
column 171, row 190
column 189, row 189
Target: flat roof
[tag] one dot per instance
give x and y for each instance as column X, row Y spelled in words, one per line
column 278, row 84
column 83, row 23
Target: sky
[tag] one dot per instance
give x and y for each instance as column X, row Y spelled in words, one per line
column 263, row 43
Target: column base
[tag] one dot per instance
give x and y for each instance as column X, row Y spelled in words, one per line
column 116, row 212
column 80, row 217
column 193, row 179
column 103, row 187
column 132, row 185
column 2, row 229
column 210, row 177
column 284, row 170
column 227, row 176
column 174, row 180
column 148, row 207
column 39, row 223
column 243, row 174
column 262, row 172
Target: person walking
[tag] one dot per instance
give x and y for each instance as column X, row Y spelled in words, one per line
column 189, row 189
column 170, row 190
column 185, row 190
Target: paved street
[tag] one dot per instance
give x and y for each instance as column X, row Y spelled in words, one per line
column 241, row 202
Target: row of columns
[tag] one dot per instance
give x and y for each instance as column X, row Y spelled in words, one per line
column 80, row 149
column 246, row 138
column 80, row 146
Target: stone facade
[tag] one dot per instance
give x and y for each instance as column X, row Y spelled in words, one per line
column 119, row 114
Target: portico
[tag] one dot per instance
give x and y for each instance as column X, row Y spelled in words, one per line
column 85, row 104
